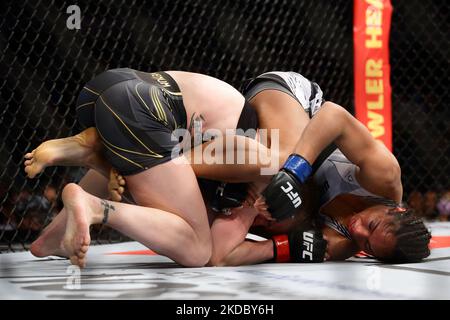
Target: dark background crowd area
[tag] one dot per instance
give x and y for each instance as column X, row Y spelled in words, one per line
column 44, row 65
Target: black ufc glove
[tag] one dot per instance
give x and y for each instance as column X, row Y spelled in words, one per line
column 282, row 195
column 300, row 246
column 228, row 196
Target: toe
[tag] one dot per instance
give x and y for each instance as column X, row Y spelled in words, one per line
column 29, row 172
column 84, row 249
column 115, row 196
column 82, row 263
column 74, row 260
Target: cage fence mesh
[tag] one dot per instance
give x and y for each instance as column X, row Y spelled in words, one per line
column 44, row 64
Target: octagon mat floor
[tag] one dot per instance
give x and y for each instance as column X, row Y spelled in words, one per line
column 130, row 271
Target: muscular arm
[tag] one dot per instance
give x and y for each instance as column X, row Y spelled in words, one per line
column 229, row 245
column 232, row 165
column 283, row 120
column 249, row 252
column 379, row 171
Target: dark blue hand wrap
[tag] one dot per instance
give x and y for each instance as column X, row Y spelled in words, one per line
column 298, row 166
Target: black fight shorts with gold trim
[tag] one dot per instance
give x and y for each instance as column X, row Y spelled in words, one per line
column 135, row 114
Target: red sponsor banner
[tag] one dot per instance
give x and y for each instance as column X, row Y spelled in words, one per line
column 371, row 26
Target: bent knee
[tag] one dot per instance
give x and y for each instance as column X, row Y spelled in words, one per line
column 217, row 261
column 197, row 259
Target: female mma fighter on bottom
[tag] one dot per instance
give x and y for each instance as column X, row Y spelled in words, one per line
column 359, row 193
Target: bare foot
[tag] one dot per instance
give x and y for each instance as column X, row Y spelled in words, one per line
column 48, row 246
column 49, row 242
column 116, row 185
column 38, row 159
column 80, row 207
column 82, row 149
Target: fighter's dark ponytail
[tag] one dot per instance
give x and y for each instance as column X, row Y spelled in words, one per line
column 412, row 237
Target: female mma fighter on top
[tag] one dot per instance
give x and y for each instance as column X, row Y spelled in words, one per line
column 40, row 248
column 134, row 114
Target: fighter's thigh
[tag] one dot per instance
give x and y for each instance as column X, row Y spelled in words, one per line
column 171, row 186
column 278, row 110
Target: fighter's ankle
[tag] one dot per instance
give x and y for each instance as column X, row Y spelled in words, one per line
column 107, row 208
